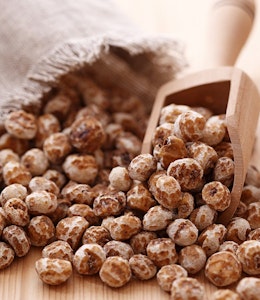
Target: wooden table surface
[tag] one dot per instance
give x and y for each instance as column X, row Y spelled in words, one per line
column 187, row 21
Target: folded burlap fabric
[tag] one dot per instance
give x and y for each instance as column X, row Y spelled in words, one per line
column 41, row 41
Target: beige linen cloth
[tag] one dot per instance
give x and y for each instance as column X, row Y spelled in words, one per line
column 43, row 40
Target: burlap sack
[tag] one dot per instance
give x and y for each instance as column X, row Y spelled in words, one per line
column 42, row 40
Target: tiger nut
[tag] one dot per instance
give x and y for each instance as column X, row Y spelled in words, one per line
column 6, row 255
column 15, row 172
column 142, row 267
column 142, row 166
column 115, row 271
column 35, row 161
column 187, row 288
column 41, row 202
column 223, row 268
column 53, row 271
column 58, row 249
column 168, row 273
column 21, row 124
column 88, row 259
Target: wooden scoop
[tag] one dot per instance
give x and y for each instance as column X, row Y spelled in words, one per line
column 222, row 89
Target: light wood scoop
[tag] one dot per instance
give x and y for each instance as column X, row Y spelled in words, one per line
column 224, row 90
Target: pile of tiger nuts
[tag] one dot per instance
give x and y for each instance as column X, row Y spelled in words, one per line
column 74, row 183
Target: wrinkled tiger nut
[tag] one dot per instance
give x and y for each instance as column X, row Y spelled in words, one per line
column 204, row 154
column 253, row 215
column 124, row 227
column 58, row 249
column 57, row 177
column 186, row 205
column 167, row 274
column 248, row 255
column 187, row 288
column 142, row 166
column 140, row 241
column 223, row 268
column 59, row 106
column 229, row 246
column 118, row 248
column 203, row 216
column 83, row 210
column 7, row 155
column 17, row 238
column 41, row 230
column 189, row 126
column 88, row 259
column 170, row 112
column 21, row 124
column 224, row 171
column 19, row 146
column 109, row 204
column 14, row 190
column 216, row 195
column 167, row 192
column 35, row 161
column 115, row 271
column 41, row 202
column 78, row 193
column 162, row 252
column 225, row 294
column 57, row 147
column 249, row 288
column 119, row 178
column 211, row 238
column 40, row 183
column 6, row 255
column 96, row 234
column 192, row 258
column 47, row 124
column 71, row 229
column 139, row 198
column 157, row 218
column 142, row 267
column 254, row 234
column 183, row 232
column 16, row 212
column 224, row 149
column 87, row 134
column 172, row 148
column 214, row 130
column 238, row 230
column 53, row 271
column 161, row 133
column 187, row 171
column 15, row 172
column 81, row 168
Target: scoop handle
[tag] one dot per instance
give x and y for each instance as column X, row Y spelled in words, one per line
column 229, row 26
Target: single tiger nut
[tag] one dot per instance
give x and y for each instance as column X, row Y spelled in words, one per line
column 41, row 202
column 238, row 230
column 183, row 232
column 225, row 294
column 157, row 218
column 35, row 161
column 40, row 183
column 96, row 234
column 81, row 168
column 248, row 255
column 140, row 241
column 87, row 134
column 203, row 216
column 168, row 273
column 189, row 126
column 17, row 238
column 16, row 212
column 216, row 195
column 223, row 268
column 249, row 288
column 53, row 271
column 167, row 192
column 187, row 288
column 192, row 258
column 170, row 112
column 187, row 171
column 21, row 124
column 162, row 252
column 118, row 248
column 142, row 267
column 59, row 250
column 115, row 272
column 142, row 166
column 15, row 190
column 88, row 259
column 119, row 178
column 6, row 255
column 41, row 230
column 15, row 172
column 7, row 155
column 85, row 211
column 224, row 171
column 57, row 147
column 71, row 229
